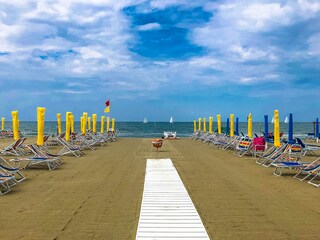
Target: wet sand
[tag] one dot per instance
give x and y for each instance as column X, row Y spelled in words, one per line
column 98, row 196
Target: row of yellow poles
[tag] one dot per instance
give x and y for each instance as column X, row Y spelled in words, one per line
column 276, row 130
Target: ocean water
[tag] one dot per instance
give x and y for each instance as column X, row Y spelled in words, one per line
column 156, row 129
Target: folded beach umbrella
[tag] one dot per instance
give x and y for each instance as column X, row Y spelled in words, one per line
column 113, row 124
column 199, row 126
column 231, row 125
column 317, row 128
column 276, row 131
column 290, row 130
column 15, row 124
column 204, row 125
column 84, row 123
column 59, row 123
column 227, row 130
column 40, row 119
column 68, row 125
column 266, row 130
column 2, row 125
column 72, row 123
column 250, row 125
column 94, row 123
column 219, row 123
column 237, row 126
column 194, row 125
column 108, row 123
column 102, row 124
column 210, row 124
column 89, row 123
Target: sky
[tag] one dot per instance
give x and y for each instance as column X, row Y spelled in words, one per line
column 160, row 58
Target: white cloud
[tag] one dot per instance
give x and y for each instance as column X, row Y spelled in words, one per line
column 149, row 26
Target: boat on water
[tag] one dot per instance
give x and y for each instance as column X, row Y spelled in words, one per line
column 171, row 120
column 145, row 120
column 286, row 120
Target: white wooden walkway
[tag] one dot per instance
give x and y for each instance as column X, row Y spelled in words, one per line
column 167, row 211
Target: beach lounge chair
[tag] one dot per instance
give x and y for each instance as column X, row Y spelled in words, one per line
column 280, row 166
column 315, row 181
column 308, row 147
column 309, row 171
column 258, row 146
column 243, row 147
column 8, row 169
column 39, row 153
column 24, row 162
column 68, row 148
column 4, row 185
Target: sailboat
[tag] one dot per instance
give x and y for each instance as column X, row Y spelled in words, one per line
column 145, row 120
column 286, row 120
column 272, row 121
column 171, row 120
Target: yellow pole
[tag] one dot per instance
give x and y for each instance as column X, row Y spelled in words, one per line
column 72, row 123
column 94, row 123
column 250, row 125
column 89, row 123
column 210, row 124
column 102, row 124
column 2, row 123
column 204, row 125
column 108, row 124
column 231, row 125
column 199, row 126
column 113, row 124
column 68, row 125
column 40, row 117
column 84, row 129
column 81, row 124
column 276, row 130
column 15, row 124
column 194, row 125
column 59, row 123
column 219, row 123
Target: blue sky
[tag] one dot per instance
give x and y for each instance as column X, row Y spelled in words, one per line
column 160, row 58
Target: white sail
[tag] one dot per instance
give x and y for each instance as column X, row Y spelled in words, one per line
column 171, row 120
column 272, row 121
column 286, row 120
column 145, row 120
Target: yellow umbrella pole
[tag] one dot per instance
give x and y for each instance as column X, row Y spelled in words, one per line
column 59, row 123
column 89, row 123
column 84, row 127
column 210, row 124
column 40, row 117
column 94, row 123
column 113, row 124
column 15, row 124
column 102, row 124
column 231, row 125
column 199, row 124
column 204, row 125
column 276, row 130
column 108, row 124
column 219, row 123
column 2, row 123
column 81, row 124
column 194, row 125
column 72, row 123
column 250, row 125
column 68, row 125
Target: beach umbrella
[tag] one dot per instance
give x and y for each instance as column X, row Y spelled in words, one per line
column 89, row 123
column 113, row 124
column 317, row 128
column 102, row 124
column 204, row 125
column 194, row 125
column 231, row 125
column 72, row 123
column 81, row 124
column 210, row 124
column 84, row 126
column 250, row 125
column 40, row 119
column 219, row 123
column 276, row 130
column 2, row 123
column 290, row 131
column 199, row 126
column 237, row 126
column 68, row 125
column 266, row 130
column 15, row 124
column 108, row 123
column 59, row 123
column 227, row 130
column 94, row 123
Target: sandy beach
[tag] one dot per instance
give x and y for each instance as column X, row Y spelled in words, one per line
column 98, row 196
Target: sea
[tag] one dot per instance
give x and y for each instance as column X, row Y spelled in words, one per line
column 156, row 129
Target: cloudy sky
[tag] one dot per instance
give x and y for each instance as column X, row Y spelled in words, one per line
column 159, row 58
